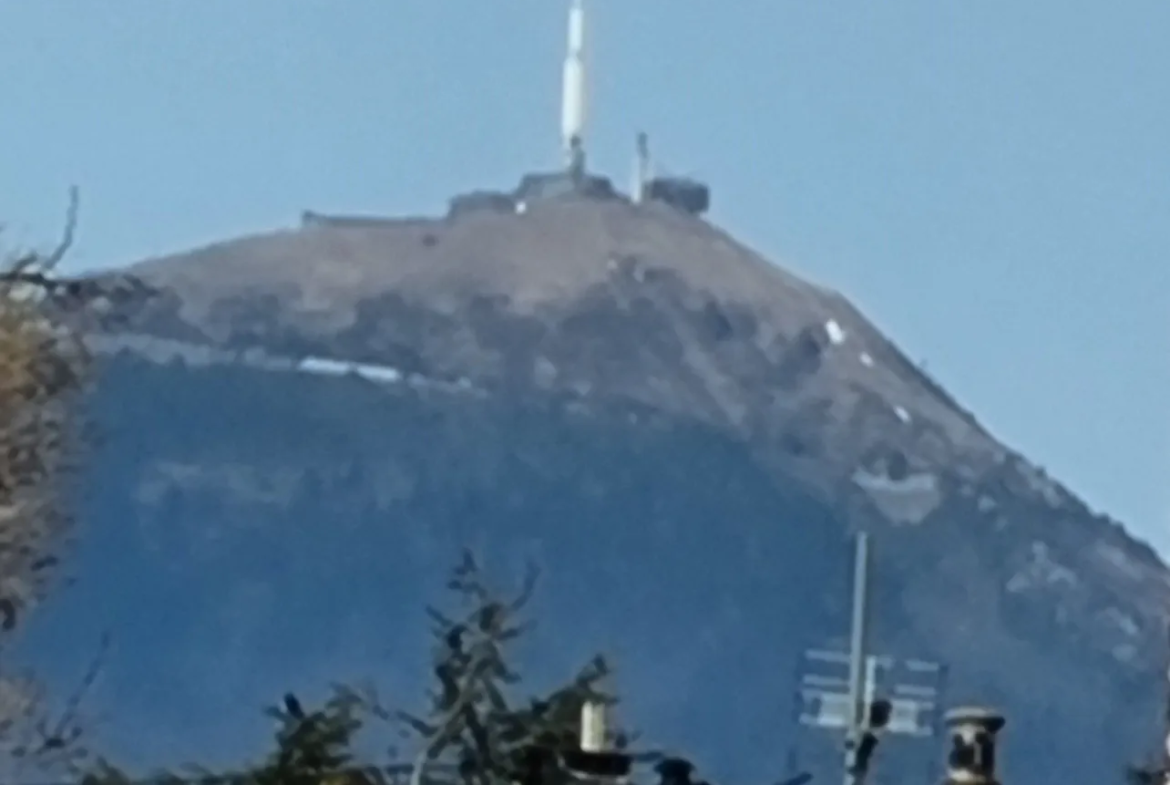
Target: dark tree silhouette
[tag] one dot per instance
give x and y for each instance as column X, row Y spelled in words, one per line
column 478, row 730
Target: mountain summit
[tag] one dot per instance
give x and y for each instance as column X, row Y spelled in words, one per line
column 652, row 410
column 589, row 296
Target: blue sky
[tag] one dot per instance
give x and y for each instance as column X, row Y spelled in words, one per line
column 988, row 179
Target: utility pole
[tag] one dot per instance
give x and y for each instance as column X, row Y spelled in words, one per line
column 1164, row 773
column 858, row 639
column 1161, row 773
column 1157, row 773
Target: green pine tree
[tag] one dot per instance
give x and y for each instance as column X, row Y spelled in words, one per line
column 312, row 747
column 478, row 729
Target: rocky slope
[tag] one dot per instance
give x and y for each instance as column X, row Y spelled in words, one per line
column 658, row 414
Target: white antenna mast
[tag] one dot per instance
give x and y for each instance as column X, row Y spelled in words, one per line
column 573, row 93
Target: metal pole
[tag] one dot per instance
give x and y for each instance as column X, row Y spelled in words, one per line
column 1166, row 749
column 869, row 681
column 857, row 647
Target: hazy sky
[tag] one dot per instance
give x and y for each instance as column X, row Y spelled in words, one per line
column 988, row 179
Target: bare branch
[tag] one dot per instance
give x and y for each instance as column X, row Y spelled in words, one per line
column 58, row 253
column 69, row 720
column 43, row 371
column 47, row 262
column 531, row 575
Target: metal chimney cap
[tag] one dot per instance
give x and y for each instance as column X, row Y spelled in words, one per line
column 988, row 719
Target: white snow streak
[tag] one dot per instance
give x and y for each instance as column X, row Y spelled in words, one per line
column 834, row 331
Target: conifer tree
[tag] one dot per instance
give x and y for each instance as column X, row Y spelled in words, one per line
column 479, row 729
column 310, row 748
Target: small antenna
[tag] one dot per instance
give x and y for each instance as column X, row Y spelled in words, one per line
column 641, row 177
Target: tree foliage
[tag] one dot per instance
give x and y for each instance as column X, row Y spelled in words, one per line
column 476, row 729
column 310, row 747
column 44, row 370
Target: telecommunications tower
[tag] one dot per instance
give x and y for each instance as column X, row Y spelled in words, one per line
column 573, row 93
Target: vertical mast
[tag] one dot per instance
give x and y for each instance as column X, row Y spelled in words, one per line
column 857, row 652
column 573, row 93
column 641, row 174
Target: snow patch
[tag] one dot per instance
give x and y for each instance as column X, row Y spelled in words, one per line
column 382, row 374
column 835, row 333
column 161, row 350
column 906, row 501
column 903, row 415
column 324, row 366
column 866, row 360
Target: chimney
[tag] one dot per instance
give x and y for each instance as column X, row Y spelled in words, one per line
column 973, row 738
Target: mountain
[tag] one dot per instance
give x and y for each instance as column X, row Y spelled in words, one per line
column 679, row 432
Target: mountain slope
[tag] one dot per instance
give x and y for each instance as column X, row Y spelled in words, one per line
column 780, row 417
column 500, row 296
